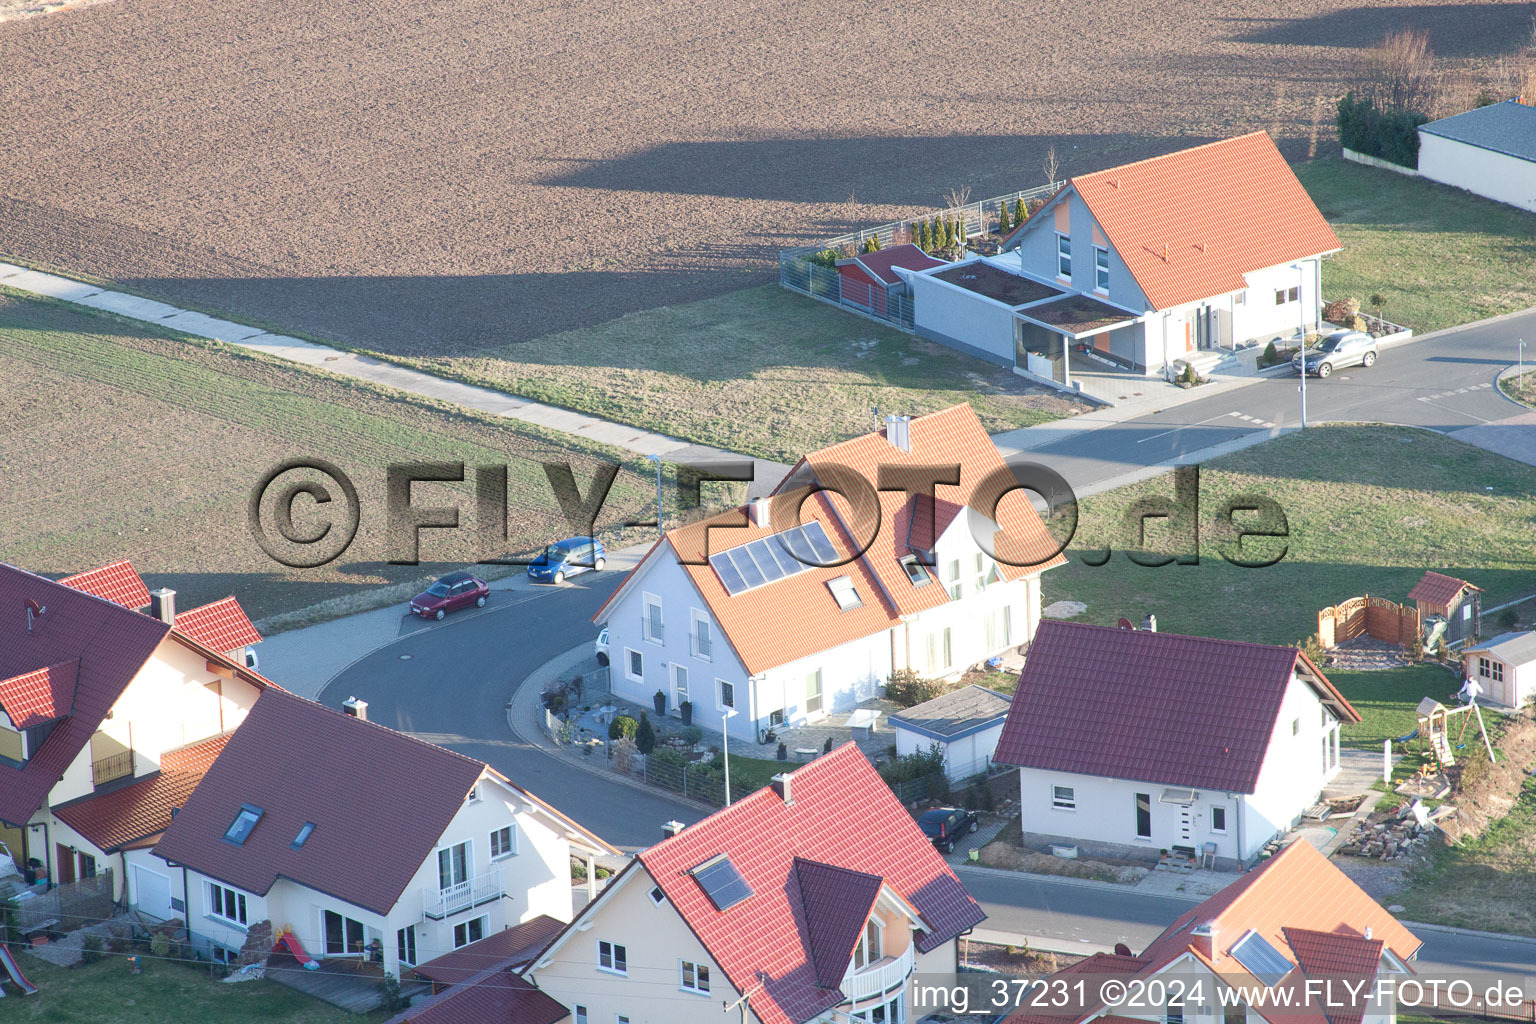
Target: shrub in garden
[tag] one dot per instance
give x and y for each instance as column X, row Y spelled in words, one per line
column 90, row 948
column 1004, row 221
column 1389, row 134
column 160, row 946
column 1188, row 376
column 624, row 751
column 645, row 736
column 1270, row 357
column 907, row 688
column 1357, row 323
column 925, row 242
column 692, row 734
column 623, row 728
column 1020, row 212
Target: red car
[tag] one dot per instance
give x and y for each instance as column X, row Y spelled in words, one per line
column 450, row 593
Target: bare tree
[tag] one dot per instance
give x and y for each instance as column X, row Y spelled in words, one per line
column 1051, row 166
column 1403, row 71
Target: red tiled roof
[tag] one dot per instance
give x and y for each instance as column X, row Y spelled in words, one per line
column 1190, row 224
column 42, row 695
column 1334, row 955
column 880, row 264
column 494, row 995
column 515, row 946
column 111, row 645
column 1153, row 707
column 118, row 583
column 836, row 903
column 301, row 762
column 121, row 816
column 220, row 626
column 1438, row 590
column 843, row 815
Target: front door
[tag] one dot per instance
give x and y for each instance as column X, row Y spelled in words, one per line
column 1186, row 825
column 342, row 935
column 679, row 687
column 66, row 864
column 1203, row 332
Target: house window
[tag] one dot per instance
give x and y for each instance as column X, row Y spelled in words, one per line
column 305, row 831
column 695, row 978
column 917, row 573
column 453, row 865
column 469, row 931
column 227, row 904
column 221, row 955
column 1490, row 669
column 650, row 625
column 240, row 830
column 938, row 650
column 1063, row 798
column 581, row 1014
column 981, row 572
column 1237, row 1014
column 952, row 578
column 868, row 950
column 620, row 1018
column 813, row 692
column 1296, row 726
column 1007, row 625
column 657, row 896
column 87, row 866
column 612, row 957
column 1100, row 268
column 1143, row 815
column 1218, row 819
column 727, row 693
column 405, row 944
column 504, row 842
column 1174, row 1014
column 1279, row 296
column 700, row 641
column 1240, row 299
column 1293, row 295
column 634, row 665
column 1063, row 257
column 844, row 593
column 342, row 934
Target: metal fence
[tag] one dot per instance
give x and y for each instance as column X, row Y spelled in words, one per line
column 66, row 907
column 798, row 273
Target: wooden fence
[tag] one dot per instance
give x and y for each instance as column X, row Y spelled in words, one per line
column 1370, row 616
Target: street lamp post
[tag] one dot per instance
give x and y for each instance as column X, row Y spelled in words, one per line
column 725, row 748
column 1301, row 343
column 657, row 459
column 1520, row 373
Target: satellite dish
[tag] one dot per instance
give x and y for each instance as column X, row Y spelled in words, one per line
column 1126, row 624
column 1121, row 949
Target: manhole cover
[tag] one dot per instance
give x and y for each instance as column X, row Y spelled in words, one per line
column 405, row 657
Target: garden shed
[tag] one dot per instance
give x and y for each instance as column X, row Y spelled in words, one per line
column 1490, row 151
column 870, row 279
column 965, row 723
column 1456, row 601
column 1505, row 668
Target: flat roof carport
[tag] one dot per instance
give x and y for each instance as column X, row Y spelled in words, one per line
column 1078, row 316
column 998, row 285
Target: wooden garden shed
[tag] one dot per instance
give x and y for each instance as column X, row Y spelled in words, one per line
column 1456, row 601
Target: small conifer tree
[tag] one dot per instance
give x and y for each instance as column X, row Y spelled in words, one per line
column 1004, row 221
column 1020, row 211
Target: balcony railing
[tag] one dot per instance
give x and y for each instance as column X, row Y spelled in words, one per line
column 699, row 645
column 440, row 903
column 652, row 630
column 878, row 978
column 113, row 767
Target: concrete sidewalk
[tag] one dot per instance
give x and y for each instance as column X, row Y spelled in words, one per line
column 377, row 371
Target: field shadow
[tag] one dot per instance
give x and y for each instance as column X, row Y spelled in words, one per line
column 1455, row 30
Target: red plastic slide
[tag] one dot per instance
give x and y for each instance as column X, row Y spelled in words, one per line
column 291, row 941
column 9, row 963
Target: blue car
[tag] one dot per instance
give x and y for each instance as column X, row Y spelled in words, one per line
column 567, row 558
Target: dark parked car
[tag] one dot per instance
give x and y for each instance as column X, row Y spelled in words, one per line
column 450, row 593
column 944, row 825
column 1336, row 351
column 567, row 558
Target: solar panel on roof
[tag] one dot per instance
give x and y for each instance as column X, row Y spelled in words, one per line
column 729, row 577
column 722, row 883
column 770, row 568
column 750, row 574
column 788, row 562
column 825, row 553
column 799, row 548
column 1262, row 960
column 773, row 558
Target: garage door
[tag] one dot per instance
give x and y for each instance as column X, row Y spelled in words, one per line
column 153, row 891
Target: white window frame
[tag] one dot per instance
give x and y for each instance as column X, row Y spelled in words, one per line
column 698, row 970
column 1223, row 809
column 679, row 693
column 821, row 693
column 704, row 652
column 579, row 1013
column 219, row 900
column 952, row 582
column 845, row 593
column 1101, row 269
column 720, row 688
column 1136, row 799
column 617, row 953
column 1063, row 803
column 865, row 953
column 629, row 660
column 469, row 861
column 658, row 897
column 1063, row 256
column 657, row 636
column 511, row 849
column 405, row 942
column 485, row 929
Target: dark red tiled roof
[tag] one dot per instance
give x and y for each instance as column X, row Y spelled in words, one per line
column 1153, row 707
column 111, row 644
column 836, row 903
column 1335, row 955
column 118, row 583
column 1437, row 589
column 494, row 996
column 372, row 793
column 42, row 695
column 843, row 815
column 516, row 946
column 219, row 626
column 881, row 263
column 121, row 816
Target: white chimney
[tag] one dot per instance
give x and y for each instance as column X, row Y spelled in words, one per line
column 356, row 708
column 759, row 509
column 1367, row 933
column 162, row 605
column 671, row 828
column 780, row 783
column 898, row 431
column 1149, row 623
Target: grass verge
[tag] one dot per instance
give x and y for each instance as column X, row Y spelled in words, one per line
column 1440, row 256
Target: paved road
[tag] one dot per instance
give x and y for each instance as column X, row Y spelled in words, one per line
column 1443, row 382
column 449, row 683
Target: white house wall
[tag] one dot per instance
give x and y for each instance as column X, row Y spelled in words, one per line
column 1496, row 176
column 850, row 673
column 963, row 757
column 962, row 319
column 1293, row 775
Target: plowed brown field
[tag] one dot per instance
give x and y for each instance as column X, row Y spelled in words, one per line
column 441, row 178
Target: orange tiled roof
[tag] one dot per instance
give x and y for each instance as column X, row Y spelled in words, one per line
column 39, row 696
column 1190, row 224
column 1437, row 589
column 122, row 816
column 219, row 626
column 117, row 582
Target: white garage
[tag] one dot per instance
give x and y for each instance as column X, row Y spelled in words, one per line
column 1490, row 151
column 965, row 723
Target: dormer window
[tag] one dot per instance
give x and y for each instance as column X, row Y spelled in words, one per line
column 868, row 950
column 917, row 573
column 244, row 824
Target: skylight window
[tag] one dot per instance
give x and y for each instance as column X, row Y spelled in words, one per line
column 1262, row 960
column 721, row 882
column 844, row 593
column 916, row 572
column 773, row 558
column 244, row 824
column 303, row 836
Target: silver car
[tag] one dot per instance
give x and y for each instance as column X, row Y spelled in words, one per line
column 1336, row 351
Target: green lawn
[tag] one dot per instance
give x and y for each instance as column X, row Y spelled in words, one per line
column 1368, row 510
column 166, row 993
column 1387, row 700
column 1522, row 388
column 1439, row 255
column 761, row 371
